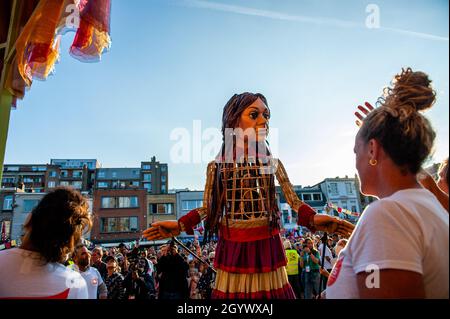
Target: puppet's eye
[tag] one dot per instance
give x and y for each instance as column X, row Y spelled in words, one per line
column 254, row 115
column 266, row 116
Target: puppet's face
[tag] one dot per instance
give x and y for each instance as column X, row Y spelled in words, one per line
column 255, row 118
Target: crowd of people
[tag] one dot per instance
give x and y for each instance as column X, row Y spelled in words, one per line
column 155, row 272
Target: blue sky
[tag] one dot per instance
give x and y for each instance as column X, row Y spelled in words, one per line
column 176, row 61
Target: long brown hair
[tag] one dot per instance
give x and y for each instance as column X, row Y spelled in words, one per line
column 57, row 223
column 217, row 206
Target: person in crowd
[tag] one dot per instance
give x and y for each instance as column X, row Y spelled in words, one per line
column 97, row 261
column 293, row 267
column 173, row 271
column 208, row 277
column 36, row 269
column 327, row 262
column 193, row 280
column 404, row 235
column 337, row 249
column 82, row 259
column 114, row 279
column 310, row 261
column 140, row 283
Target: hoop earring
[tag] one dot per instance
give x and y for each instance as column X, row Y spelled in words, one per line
column 373, row 162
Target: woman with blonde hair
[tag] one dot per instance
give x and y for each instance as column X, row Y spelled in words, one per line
column 400, row 246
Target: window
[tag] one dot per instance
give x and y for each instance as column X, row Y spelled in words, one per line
column 118, row 184
column 317, row 197
column 333, row 188
column 349, row 188
column 51, row 184
column 8, row 180
column 29, row 204
column 77, row 185
column 64, row 183
column 161, row 208
column 146, row 167
column 102, row 185
column 163, row 188
column 191, row 204
column 120, row 202
column 77, row 174
column 148, row 187
column 64, row 174
column 135, row 183
column 52, row 174
column 114, row 174
column 163, row 168
column 38, row 168
column 118, row 224
column 354, row 209
column 12, row 168
column 7, row 202
column 101, row 174
column 147, row 177
column 285, row 217
column 163, row 178
column 28, row 180
column 128, row 202
column 307, row 197
column 108, row 202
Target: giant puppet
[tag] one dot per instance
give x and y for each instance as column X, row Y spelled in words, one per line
column 240, row 207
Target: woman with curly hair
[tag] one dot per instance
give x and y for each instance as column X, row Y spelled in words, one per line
column 52, row 231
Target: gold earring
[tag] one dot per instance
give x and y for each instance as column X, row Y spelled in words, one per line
column 373, row 162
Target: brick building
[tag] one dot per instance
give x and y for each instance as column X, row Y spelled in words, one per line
column 120, row 215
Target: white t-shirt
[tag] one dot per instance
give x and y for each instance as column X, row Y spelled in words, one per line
column 24, row 275
column 406, row 231
column 92, row 277
column 327, row 264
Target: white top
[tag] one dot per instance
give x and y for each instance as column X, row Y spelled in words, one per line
column 92, row 277
column 24, row 275
column 327, row 264
column 407, row 231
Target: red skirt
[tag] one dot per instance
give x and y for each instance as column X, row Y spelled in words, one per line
column 250, row 264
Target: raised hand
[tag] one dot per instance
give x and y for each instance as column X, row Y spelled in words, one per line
column 365, row 110
column 332, row 225
column 161, row 230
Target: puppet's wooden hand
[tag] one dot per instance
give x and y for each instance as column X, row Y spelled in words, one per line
column 332, row 225
column 161, row 230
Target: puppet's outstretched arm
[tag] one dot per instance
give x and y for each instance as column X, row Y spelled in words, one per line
column 190, row 220
column 305, row 212
column 306, row 215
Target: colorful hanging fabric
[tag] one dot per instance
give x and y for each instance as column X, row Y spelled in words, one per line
column 37, row 48
column 341, row 210
column 92, row 37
